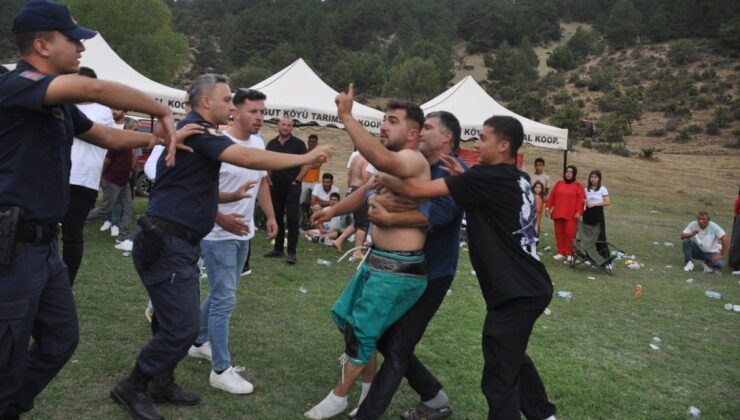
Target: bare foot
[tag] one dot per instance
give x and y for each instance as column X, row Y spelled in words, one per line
column 358, row 255
column 337, row 245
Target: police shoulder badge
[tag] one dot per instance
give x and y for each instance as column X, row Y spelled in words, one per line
column 33, row 75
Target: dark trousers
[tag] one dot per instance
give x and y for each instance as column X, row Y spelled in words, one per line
column 510, row 380
column 35, row 301
column 397, row 346
column 81, row 201
column 285, row 203
column 692, row 251
column 593, row 216
column 172, row 283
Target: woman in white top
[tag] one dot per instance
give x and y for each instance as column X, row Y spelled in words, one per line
column 597, row 197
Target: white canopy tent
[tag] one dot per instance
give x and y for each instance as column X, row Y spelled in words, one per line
column 472, row 105
column 99, row 56
column 298, row 93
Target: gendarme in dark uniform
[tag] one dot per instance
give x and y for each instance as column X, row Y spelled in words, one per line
column 182, row 208
column 35, row 294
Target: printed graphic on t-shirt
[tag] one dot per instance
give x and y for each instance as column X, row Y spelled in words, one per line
column 527, row 219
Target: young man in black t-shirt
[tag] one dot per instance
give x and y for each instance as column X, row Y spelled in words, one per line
column 500, row 210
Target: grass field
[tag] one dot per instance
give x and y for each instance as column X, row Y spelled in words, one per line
column 592, row 351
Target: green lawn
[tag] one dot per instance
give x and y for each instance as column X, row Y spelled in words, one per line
column 592, row 351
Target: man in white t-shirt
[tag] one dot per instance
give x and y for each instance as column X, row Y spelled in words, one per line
column 84, row 180
column 225, row 248
column 706, row 241
column 321, row 192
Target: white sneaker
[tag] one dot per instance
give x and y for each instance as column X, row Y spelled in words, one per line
column 106, row 226
column 231, row 381
column 689, row 266
column 558, row 257
column 202, row 352
column 126, row 245
column 329, row 407
column 707, row 269
column 568, row 259
column 114, row 231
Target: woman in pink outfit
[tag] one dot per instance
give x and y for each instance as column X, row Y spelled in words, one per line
column 565, row 206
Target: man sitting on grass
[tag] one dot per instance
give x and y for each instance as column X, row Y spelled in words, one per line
column 706, row 241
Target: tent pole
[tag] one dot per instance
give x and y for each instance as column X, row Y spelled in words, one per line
column 565, row 159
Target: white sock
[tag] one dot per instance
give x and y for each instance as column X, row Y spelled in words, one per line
column 328, row 407
column 365, row 390
column 440, row 400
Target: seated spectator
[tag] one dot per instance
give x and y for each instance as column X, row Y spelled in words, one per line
column 326, row 232
column 706, row 241
column 320, row 194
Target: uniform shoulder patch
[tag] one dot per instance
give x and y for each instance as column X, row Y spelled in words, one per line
column 32, row 75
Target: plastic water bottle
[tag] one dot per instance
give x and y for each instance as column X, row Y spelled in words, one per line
column 325, row 263
column 564, row 294
column 693, row 413
column 711, row 294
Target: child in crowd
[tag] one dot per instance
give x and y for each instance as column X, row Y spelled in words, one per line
column 539, row 202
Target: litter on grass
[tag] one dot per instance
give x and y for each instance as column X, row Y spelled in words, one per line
column 302, row 290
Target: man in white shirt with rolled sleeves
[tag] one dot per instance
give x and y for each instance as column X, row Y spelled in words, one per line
column 225, row 248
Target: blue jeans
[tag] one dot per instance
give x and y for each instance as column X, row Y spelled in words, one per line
column 224, row 262
column 692, row 251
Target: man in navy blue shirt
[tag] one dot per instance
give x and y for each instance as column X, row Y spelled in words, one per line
column 39, row 122
column 439, row 136
column 182, row 210
column 500, row 209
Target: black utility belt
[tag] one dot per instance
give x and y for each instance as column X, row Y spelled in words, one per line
column 389, row 265
column 169, row 228
column 36, row 233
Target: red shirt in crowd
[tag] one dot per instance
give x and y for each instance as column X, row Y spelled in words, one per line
column 565, row 200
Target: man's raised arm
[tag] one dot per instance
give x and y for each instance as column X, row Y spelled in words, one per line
column 265, row 159
column 75, row 89
column 368, row 146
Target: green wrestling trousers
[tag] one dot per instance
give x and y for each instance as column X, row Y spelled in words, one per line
column 384, row 288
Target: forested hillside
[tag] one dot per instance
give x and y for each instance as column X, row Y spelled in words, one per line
column 630, row 57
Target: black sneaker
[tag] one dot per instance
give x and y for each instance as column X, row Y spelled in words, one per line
column 291, row 258
column 246, row 271
column 274, row 254
column 135, row 399
column 421, row 412
column 163, row 389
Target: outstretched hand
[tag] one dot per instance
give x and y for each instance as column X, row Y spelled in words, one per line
column 322, row 153
column 451, row 165
column 344, row 102
column 243, row 191
column 165, row 129
column 321, row 216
